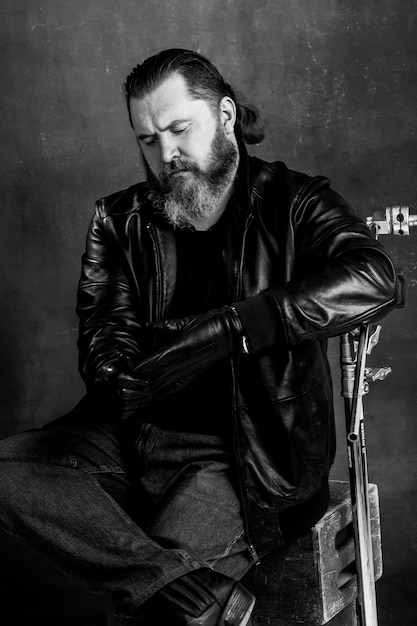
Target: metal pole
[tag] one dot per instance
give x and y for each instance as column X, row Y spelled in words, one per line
column 353, row 380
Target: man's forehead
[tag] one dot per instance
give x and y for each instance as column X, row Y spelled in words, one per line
column 168, row 102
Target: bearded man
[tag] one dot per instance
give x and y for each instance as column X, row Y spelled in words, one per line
column 206, row 299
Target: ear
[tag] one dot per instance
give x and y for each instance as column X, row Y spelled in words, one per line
column 227, row 108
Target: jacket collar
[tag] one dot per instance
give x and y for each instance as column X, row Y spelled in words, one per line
column 241, row 198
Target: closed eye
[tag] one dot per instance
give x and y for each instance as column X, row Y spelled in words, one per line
column 150, row 141
column 178, row 131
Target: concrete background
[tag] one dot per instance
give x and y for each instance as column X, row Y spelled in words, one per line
column 336, row 82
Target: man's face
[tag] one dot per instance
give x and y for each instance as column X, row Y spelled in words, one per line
column 190, row 151
column 170, row 125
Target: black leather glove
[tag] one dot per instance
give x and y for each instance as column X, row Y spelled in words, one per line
column 118, row 393
column 201, row 342
column 116, row 390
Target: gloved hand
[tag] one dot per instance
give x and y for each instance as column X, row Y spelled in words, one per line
column 198, row 343
column 120, row 393
column 201, row 342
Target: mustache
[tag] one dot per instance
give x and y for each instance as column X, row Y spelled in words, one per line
column 176, row 165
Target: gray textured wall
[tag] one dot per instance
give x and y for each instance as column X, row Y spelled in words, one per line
column 336, row 81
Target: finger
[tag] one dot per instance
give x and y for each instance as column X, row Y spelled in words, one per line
column 127, row 381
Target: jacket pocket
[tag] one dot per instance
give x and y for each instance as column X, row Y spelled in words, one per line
column 312, row 427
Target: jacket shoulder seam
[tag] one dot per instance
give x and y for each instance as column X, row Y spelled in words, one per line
column 123, row 202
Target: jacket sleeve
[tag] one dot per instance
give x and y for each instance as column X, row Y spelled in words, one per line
column 110, row 333
column 341, row 276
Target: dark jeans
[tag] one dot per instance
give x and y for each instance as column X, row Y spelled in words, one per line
column 119, row 522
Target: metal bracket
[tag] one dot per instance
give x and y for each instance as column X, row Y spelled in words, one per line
column 397, row 221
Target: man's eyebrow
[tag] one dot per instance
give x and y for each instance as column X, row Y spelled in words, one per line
column 171, row 125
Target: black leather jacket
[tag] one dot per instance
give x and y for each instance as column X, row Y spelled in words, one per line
column 295, row 251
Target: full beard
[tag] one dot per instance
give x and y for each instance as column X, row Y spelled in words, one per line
column 186, row 202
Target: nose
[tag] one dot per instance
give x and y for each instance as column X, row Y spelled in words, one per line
column 169, row 149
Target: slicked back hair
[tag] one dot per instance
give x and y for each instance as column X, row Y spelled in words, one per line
column 204, row 82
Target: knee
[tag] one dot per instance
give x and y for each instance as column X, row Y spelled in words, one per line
column 25, row 446
column 19, row 454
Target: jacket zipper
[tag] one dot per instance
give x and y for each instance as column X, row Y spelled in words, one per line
column 238, row 295
column 238, row 290
column 245, row 506
column 158, row 273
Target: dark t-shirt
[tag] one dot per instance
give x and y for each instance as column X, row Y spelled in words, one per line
column 204, row 405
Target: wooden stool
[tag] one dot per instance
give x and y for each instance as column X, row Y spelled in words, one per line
column 313, row 580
